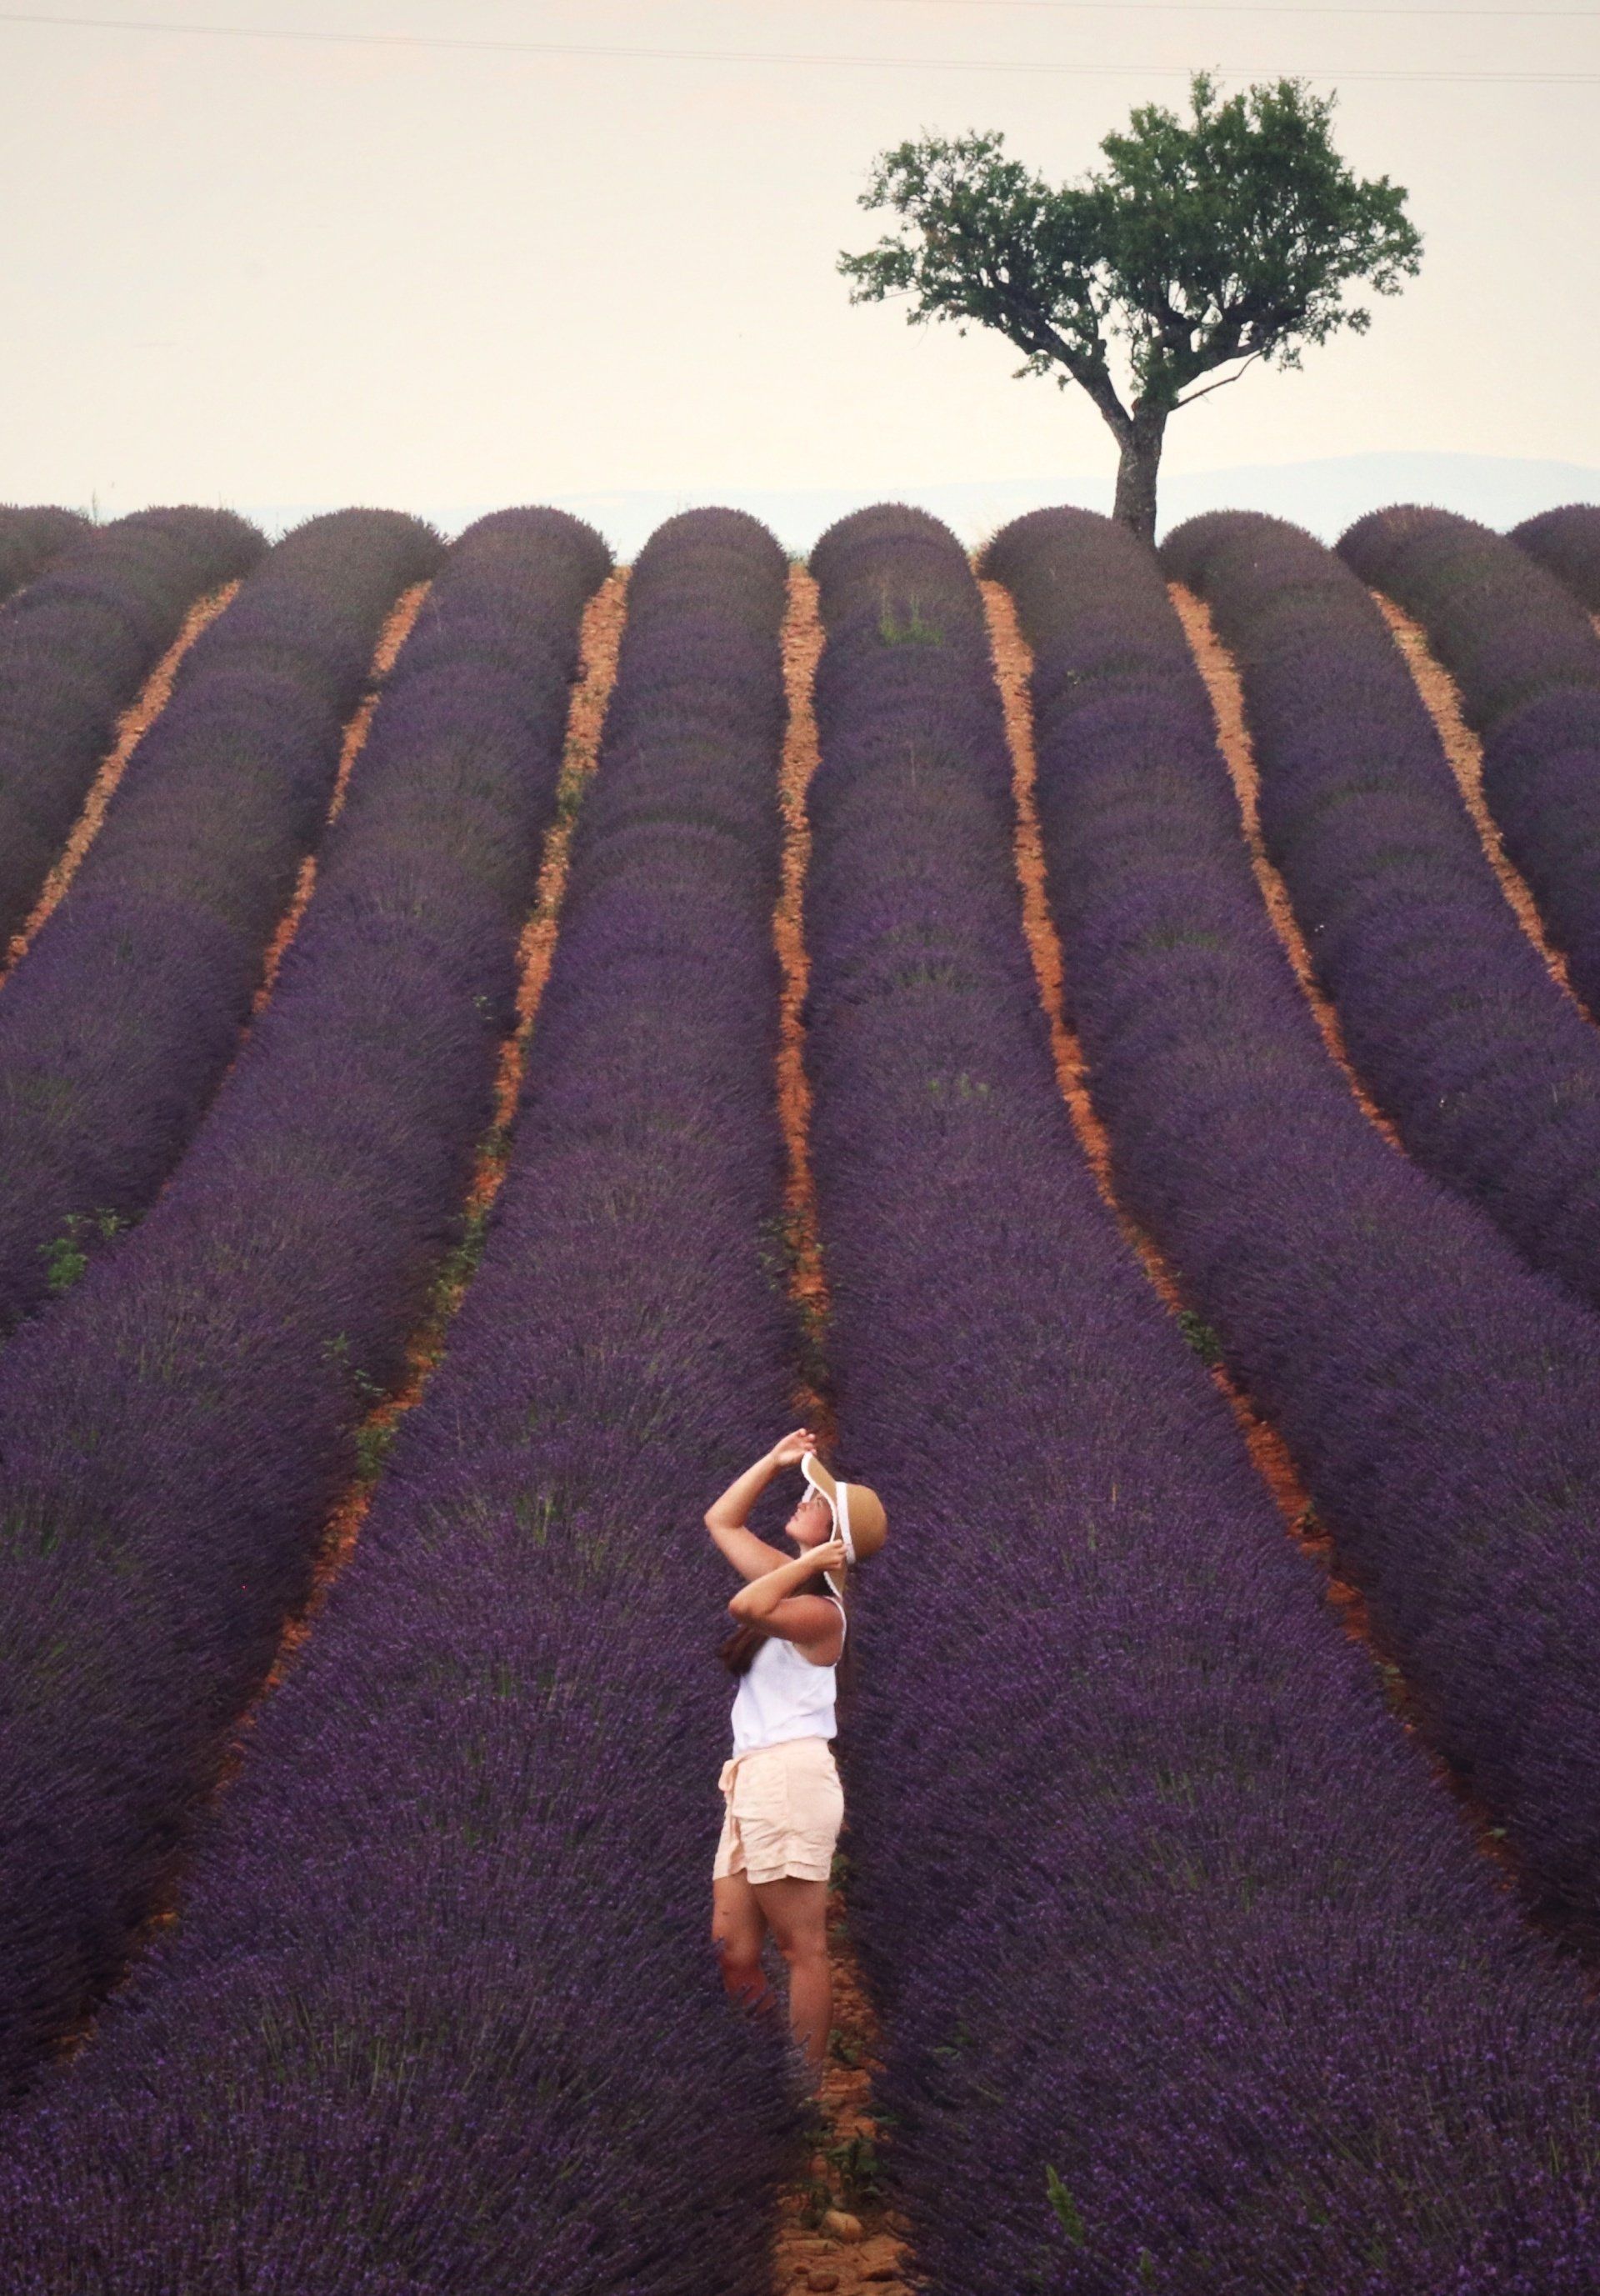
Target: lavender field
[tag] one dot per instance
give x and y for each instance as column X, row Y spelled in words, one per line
column 489, row 1039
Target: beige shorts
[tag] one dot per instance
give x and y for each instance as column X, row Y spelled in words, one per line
column 784, row 1806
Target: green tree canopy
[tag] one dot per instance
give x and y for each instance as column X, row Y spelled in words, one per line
column 1204, row 244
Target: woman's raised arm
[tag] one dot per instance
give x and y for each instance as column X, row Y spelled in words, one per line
column 752, row 1556
column 767, row 1599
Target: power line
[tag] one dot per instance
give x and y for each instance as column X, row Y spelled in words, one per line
column 790, row 58
column 1260, row 8
column 1256, row 8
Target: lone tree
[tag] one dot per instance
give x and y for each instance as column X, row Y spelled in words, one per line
column 1205, row 243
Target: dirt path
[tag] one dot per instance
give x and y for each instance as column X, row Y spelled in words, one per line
column 1442, row 698
column 833, row 2231
column 132, row 726
column 396, row 630
column 1215, row 666
column 802, row 642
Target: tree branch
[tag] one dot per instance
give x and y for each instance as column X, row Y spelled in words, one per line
column 1221, row 383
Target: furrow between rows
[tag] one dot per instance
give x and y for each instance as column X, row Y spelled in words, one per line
column 132, row 726
column 839, row 2190
column 397, row 627
column 802, row 650
column 1463, row 751
column 1238, row 753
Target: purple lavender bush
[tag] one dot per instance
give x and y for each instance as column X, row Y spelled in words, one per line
column 118, row 1026
column 1490, row 1073
column 1566, row 543
column 1435, row 1395
column 75, row 647
column 440, row 2013
column 32, row 537
column 1527, row 660
column 172, row 1436
column 1195, row 1980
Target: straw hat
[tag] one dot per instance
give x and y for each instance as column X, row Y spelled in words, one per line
column 858, row 1516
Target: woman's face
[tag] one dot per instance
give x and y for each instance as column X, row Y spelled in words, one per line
column 811, row 1522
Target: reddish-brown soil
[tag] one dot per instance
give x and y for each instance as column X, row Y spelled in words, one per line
column 132, row 726
column 834, row 2232
column 802, row 648
column 1215, row 666
column 1441, row 697
column 393, row 635
column 602, row 641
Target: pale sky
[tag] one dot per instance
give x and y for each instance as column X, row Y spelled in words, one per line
column 270, row 271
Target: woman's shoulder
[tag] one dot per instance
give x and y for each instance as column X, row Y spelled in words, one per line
column 804, row 1621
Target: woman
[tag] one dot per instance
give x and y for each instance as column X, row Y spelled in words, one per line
column 784, row 1801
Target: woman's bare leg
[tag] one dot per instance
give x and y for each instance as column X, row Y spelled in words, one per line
column 738, row 1927
column 797, row 1913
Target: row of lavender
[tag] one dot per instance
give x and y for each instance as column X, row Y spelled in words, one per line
column 32, row 537
column 1435, row 1395
column 75, row 647
column 1566, row 543
column 1195, row 1980
column 175, row 1432
column 116, row 1030
column 1527, row 660
column 1489, row 1072
column 441, row 2013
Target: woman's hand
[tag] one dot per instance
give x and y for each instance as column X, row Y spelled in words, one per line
column 829, row 1556
column 793, row 1448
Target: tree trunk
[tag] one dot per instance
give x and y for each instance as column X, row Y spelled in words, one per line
column 1141, row 445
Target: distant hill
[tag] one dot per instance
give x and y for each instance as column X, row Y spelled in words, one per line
column 1324, row 495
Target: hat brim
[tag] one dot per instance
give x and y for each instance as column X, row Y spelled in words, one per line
column 822, row 1481
column 828, row 1488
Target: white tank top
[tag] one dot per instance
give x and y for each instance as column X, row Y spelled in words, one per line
column 784, row 1696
